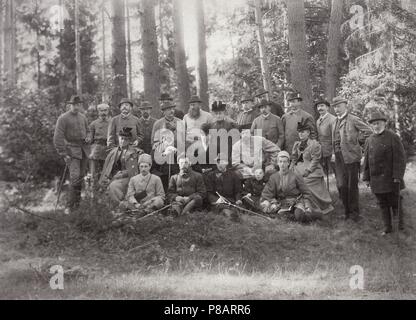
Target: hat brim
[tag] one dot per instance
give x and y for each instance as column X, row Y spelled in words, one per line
column 339, row 102
column 322, row 102
column 130, row 103
column 377, row 119
column 194, row 101
column 292, row 99
column 261, row 93
column 246, row 100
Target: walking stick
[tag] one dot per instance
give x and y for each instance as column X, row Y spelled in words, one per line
column 60, row 186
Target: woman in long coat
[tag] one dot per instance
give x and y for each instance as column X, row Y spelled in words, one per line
column 306, row 157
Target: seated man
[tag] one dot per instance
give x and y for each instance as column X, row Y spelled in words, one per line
column 120, row 165
column 186, row 189
column 224, row 181
column 286, row 193
column 253, row 188
column 145, row 191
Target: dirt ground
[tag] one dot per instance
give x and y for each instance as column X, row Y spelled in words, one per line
column 207, row 256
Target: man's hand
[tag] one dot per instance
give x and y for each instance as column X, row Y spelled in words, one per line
column 137, row 205
column 395, row 180
column 186, row 199
column 88, row 140
column 67, row 160
column 135, row 143
column 307, row 173
column 239, row 202
column 179, row 199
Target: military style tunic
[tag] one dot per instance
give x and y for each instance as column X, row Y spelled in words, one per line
column 147, row 126
column 245, row 118
column 98, row 137
column 118, row 123
column 272, row 128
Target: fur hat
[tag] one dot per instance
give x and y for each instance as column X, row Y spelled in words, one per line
column 145, row 158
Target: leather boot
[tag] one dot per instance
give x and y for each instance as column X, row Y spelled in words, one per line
column 400, row 217
column 385, row 215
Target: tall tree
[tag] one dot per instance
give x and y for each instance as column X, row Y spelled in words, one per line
column 1, row 43
column 119, row 53
column 299, row 67
column 10, row 42
column 334, row 42
column 77, row 50
column 202, row 72
column 180, row 57
column 150, row 56
column 130, row 91
column 104, row 94
column 265, row 71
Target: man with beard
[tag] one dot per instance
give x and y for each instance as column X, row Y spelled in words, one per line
column 384, row 168
column 166, row 99
column 270, row 125
column 120, row 165
column 324, row 127
column 98, row 138
column 146, row 124
column 194, row 120
column 124, row 120
column 262, row 94
column 292, row 117
column 348, row 133
column 248, row 114
column 69, row 139
column 167, row 136
column 186, row 189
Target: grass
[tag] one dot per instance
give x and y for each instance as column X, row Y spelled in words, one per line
column 206, row 256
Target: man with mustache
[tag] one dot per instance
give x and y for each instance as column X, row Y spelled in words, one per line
column 194, row 119
column 146, row 124
column 384, row 168
column 248, row 114
column 270, row 124
column 167, row 100
column 124, row 120
column 262, row 94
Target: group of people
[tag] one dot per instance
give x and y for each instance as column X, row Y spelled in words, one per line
column 268, row 161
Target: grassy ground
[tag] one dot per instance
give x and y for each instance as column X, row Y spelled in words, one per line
column 206, row 256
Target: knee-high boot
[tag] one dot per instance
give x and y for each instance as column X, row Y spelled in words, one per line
column 385, row 214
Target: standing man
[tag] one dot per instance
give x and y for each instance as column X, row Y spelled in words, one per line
column 264, row 95
column 124, row 120
column 194, row 119
column 324, row 126
column 248, row 114
column 98, row 138
column 291, row 119
column 384, row 168
column 70, row 142
column 346, row 144
column 166, row 99
column 270, row 124
column 146, row 123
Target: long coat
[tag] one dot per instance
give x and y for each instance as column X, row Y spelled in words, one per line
column 324, row 127
column 132, row 167
column 311, row 157
column 352, row 129
column 384, row 160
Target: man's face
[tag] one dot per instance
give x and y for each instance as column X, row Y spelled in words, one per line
column 184, row 165
column 169, row 113
column 265, row 110
column 195, row 109
column 103, row 113
column 125, row 108
column 222, row 165
column 283, row 163
column 76, row 107
column 144, row 168
column 340, row 109
column 146, row 113
column 259, row 174
column 219, row 115
column 245, row 135
column 322, row 109
column 294, row 105
column 378, row 126
column 123, row 141
column 304, row 135
column 247, row 105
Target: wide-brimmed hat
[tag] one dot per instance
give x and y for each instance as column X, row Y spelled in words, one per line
column 165, row 97
column 338, row 100
column 260, row 92
column 145, row 158
column 145, row 105
column 75, row 100
column 218, row 106
column 247, row 98
column 294, row 96
column 377, row 115
column 166, row 106
column 126, row 132
column 195, row 98
column 125, row 100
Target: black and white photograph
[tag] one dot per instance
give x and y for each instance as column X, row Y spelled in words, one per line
column 207, row 154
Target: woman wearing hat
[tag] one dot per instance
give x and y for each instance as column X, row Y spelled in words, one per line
column 306, row 157
column 286, row 193
column 384, row 168
column 145, row 190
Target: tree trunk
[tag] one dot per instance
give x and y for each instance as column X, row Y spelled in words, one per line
column 1, row 43
column 10, row 42
column 129, row 50
column 334, row 42
column 104, row 95
column 299, row 67
column 77, row 50
column 180, row 57
column 119, row 54
column 202, row 72
column 151, row 70
column 265, row 71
